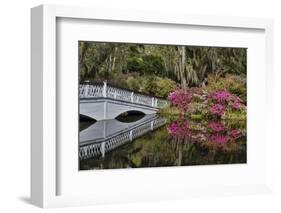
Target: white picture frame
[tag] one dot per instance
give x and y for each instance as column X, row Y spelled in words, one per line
column 45, row 170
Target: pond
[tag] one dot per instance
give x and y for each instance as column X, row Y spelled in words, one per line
column 138, row 141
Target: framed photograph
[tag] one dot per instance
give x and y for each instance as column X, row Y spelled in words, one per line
column 129, row 106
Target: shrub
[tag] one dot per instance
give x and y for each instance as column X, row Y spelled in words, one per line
column 232, row 83
column 149, row 84
column 135, row 64
column 153, row 64
column 164, row 86
column 133, row 83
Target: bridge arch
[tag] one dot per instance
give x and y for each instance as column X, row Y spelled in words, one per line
column 83, row 117
column 102, row 109
column 130, row 116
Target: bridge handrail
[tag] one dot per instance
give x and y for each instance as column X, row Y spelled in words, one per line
column 104, row 90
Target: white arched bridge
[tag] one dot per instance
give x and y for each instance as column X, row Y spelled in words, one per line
column 106, row 135
column 102, row 101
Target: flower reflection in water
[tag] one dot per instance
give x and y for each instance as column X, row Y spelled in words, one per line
column 214, row 133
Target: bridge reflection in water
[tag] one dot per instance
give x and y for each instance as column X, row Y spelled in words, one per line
column 106, row 135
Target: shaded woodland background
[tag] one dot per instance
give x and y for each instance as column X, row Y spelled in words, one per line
column 159, row 69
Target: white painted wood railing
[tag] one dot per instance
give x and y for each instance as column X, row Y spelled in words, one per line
column 106, row 91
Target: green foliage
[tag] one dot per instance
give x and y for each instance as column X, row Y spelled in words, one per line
column 164, row 86
column 133, row 83
column 135, row 64
column 147, row 64
column 196, row 117
column 149, row 84
column 233, row 83
column 157, row 86
column 170, row 111
column 153, row 64
column 160, row 67
column 235, row 119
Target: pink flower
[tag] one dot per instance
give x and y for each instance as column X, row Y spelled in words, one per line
column 236, row 105
column 179, row 129
column 180, row 99
column 220, row 96
column 215, row 126
column 217, row 109
column 220, row 139
column 235, row 133
column 173, row 128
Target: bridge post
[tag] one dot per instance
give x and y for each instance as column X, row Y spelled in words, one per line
column 155, row 102
column 152, row 102
column 86, row 90
column 151, row 125
column 131, row 135
column 103, row 149
column 104, row 88
column 132, row 97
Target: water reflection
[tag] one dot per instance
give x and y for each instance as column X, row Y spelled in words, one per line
column 153, row 141
column 107, row 135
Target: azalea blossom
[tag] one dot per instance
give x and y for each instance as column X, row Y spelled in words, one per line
column 216, row 126
column 235, row 133
column 179, row 129
column 236, row 105
column 180, row 99
column 218, row 138
column 217, row 109
column 221, row 96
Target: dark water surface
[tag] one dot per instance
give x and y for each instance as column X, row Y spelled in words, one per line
column 153, row 141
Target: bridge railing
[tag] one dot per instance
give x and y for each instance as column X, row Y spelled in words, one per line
column 104, row 90
column 99, row 149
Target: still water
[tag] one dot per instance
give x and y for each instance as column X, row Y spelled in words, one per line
column 137, row 141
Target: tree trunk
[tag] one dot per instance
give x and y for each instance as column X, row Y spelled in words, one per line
column 180, row 153
column 202, row 72
column 182, row 66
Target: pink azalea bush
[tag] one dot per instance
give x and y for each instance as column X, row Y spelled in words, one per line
column 212, row 131
column 236, row 105
column 180, row 99
column 221, row 96
column 235, row 133
column 216, row 126
column 216, row 103
column 219, row 138
column 223, row 100
column 217, row 134
column 179, row 129
column 217, row 109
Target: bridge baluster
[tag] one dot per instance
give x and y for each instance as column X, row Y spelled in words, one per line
column 115, row 94
column 104, row 89
column 103, row 149
column 86, row 88
column 131, row 135
column 132, row 97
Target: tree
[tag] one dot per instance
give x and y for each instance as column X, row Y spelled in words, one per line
column 187, row 65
